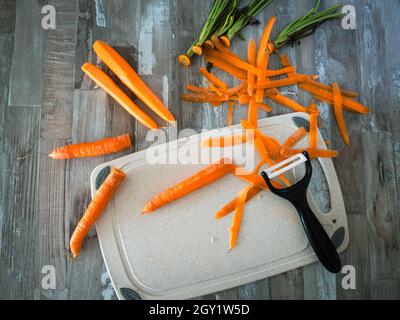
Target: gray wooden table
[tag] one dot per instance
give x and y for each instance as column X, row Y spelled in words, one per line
column 46, row 102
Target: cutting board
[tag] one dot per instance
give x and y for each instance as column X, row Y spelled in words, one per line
column 181, row 251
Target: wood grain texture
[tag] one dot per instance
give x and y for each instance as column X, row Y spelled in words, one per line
column 46, row 101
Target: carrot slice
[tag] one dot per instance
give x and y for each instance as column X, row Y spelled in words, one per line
column 213, row 79
column 130, row 78
column 251, row 58
column 313, row 130
column 237, row 217
column 230, row 206
column 318, row 84
column 234, row 61
column 230, row 112
column 184, row 60
column 337, row 107
column 200, row 179
column 244, row 99
column 92, row 149
column 264, row 106
column 109, row 86
column 294, row 138
column 313, row 153
column 280, row 72
column 232, row 70
column 287, row 102
column 214, row 89
column 212, row 97
column 218, row 45
column 94, row 210
column 348, row 103
column 226, row 141
column 193, row 88
column 280, row 83
column 252, row 113
column 197, row 50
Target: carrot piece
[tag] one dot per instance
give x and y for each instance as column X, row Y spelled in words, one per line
column 197, row 50
column 287, row 102
column 313, row 130
column 251, row 58
column 184, row 60
column 278, row 72
column 200, row 179
column 130, row 78
column 218, row 45
column 221, row 64
column 294, row 138
column 337, row 107
column 226, row 141
column 244, row 99
column 312, row 108
column 212, row 97
column 109, row 86
column 225, row 40
column 234, row 61
column 214, row 89
column 230, row 112
column 193, row 88
column 252, row 113
column 262, row 53
column 313, row 153
column 348, row 103
column 230, row 206
column 208, row 44
column 264, row 106
column 236, row 89
column 264, row 154
column 318, row 84
column 280, row 83
column 237, row 217
column 96, row 207
column 213, row 79
column 92, row 149
column 286, row 63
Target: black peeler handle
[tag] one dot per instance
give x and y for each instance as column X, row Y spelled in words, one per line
column 319, row 240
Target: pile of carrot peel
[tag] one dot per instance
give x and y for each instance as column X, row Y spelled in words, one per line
column 257, row 83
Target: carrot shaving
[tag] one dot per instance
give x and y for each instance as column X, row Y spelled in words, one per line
column 313, row 153
column 313, row 130
column 338, row 109
column 320, row 85
column 230, row 112
column 287, row 102
column 204, row 97
column 197, row 50
column 213, row 79
column 294, row 138
column 232, row 70
column 214, row 89
column 193, row 88
column 280, row 83
column 226, row 141
column 251, row 58
column 264, row 107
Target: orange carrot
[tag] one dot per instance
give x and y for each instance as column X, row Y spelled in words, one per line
column 237, row 217
column 287, row 102
column 184, row 60
column 226, row 141
column 130, row 78
column 252, row 113
column 208, row 44
column 197, row 50
column 348, row 103
column 94, row 210
column 213, row 79
column 244, row 99
column 280, row 83
column 192, row 87
column 204, row 97
column 221, row 64
column 213, row 88
column 264, row 106
column 337, row 107
column 230, row 206
column 294, row 138
column 225, row 40
column 92, row 149
column 313, row 130
column 109, row 86
column 234, row 61
column 278, row 72
column 318, row 84
column 313, row 153
column 251, row 58
column 237, row 88
column 200, row 179
column 286, row 63
column 219, row 45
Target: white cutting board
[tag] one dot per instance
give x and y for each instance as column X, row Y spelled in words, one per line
column 181, row 251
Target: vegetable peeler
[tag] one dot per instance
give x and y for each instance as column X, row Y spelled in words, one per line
column 297, row 195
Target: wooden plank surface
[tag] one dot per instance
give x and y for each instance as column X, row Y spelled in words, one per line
column 46, row 101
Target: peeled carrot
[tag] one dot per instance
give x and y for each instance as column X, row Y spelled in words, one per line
column 213, row 88
column 348, row 103
column 264, row 106
column 109, row 86
column 337, row 107
column 94, row 210
column 237, row 217
column 313, row 130
column 287, row 102
column 211, row 97
column 244, row 99
column 313, row 153
column 200, row 179
column 92, row 149
column 226, row 141
column 318, row 84
column 234, row 61
column 251, row 58
column 213, row 79
column 232, row 70
column 252, row 113
column 230, row 112
column 219, row 45
column 130, row 78
column 193, row 88
column 280, row 83
column 294, row 138
column 230, row 206
column 279, row 72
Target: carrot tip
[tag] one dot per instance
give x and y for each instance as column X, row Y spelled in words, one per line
column 184, row 60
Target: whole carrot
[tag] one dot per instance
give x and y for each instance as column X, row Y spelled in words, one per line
column 92, row 149
column 200, row 179
column 109, row 86
column 131, row 79
column 95, row 208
